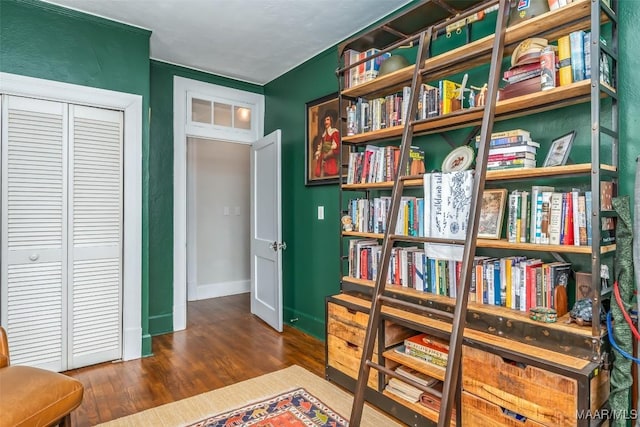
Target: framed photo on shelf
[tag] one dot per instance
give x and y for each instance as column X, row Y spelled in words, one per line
column 559, row 150
column 323, row 141
column 492, row 213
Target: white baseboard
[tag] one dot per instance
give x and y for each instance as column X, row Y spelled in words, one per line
column 223, row 289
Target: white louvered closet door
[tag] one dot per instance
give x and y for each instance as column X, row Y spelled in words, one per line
column 34, row 135
column 61, row 265
column 95, row 235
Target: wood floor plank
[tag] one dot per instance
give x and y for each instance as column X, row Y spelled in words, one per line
column 223, row 344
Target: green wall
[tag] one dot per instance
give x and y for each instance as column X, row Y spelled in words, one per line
column 161, row 187
column 49, row 42
column 310, row 263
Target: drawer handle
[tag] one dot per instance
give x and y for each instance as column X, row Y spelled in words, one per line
column 351, row 345
column 512, row 362
column 351, row 310
column 513, row 415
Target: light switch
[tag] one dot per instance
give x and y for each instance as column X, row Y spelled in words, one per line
column 225, row 211
column 320, row 212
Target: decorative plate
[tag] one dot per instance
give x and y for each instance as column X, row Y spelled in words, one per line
column 459, row 159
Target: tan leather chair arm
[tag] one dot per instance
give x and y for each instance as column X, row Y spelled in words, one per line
column 4, row 348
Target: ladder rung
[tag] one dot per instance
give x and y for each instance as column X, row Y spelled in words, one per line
column 409, row 381
column 430, row 310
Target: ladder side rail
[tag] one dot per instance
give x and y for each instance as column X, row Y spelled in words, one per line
column 398, row 185
column 452, row 373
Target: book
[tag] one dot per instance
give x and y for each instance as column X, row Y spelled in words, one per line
column 576, row 39
column 521, row 69
column 448, row 93
column 508, row 133
column 564, row 60
column 536, row 211
column 425, row 341
column 415, row 375
column 513, row 149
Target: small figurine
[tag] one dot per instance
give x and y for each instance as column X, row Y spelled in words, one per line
column 347, row 223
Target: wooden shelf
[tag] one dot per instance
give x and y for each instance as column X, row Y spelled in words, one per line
column 417, row 364
column 525, row 105
column 420, row 409
column 551, row 25
column 473, row 307
column 497, row 244
column 531, row 348
column 498, row 175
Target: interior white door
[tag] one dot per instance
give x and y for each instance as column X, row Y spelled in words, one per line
column 34, row 229
column 266, row 231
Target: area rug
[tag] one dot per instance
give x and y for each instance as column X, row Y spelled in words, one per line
column 223, row 401
column 296, row 408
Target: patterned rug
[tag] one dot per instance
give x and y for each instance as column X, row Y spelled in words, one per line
column 296, row 408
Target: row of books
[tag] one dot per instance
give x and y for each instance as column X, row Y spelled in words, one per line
column 518, row 282
column 365, row 115
column 370, row 216
column 380, row 164
column 546, row 216
column 514, row 282
column 364, row 72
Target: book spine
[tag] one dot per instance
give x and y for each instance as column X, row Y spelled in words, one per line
column 564, row 58
column 577, row 55
column 434, row 360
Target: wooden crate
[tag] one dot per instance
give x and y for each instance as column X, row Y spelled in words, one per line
column 540, row 395
column 351, row 325
column 477, row 412
column 345, row 357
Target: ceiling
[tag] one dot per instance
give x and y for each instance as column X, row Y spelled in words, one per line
column 250, row 40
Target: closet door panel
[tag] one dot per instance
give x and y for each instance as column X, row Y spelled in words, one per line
column 34, row 230
column 95, row 221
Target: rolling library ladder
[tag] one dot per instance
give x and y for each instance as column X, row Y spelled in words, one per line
column 543, row 374
column 379, row 299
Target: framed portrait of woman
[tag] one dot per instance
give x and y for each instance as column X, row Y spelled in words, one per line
column 323, row 141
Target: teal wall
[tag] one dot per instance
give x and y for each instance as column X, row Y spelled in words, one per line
column 161, row 186
column 49, row 42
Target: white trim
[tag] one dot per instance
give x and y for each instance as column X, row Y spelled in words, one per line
column 132, row 242
column 221, row 289
column 192, row 218
column 181, row 86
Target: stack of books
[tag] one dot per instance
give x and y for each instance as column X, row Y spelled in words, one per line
column 428, row 348
column 409, row 392
column 521, row 80
column 511, row 149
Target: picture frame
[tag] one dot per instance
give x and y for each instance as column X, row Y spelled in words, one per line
column 494, row 202
column 322, row 148
column 559, row 150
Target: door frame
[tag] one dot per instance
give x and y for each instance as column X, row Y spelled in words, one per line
column 131, row 105
column 182, row 88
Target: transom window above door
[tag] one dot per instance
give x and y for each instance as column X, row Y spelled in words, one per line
column 219, row 117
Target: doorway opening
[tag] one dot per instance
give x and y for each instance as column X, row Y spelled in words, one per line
column 218, row 220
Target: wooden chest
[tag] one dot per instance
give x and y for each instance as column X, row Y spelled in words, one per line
column 345, row 338
column 544, row 395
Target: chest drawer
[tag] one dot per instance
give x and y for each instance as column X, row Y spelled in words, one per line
column 478, row 412
column 540, row 395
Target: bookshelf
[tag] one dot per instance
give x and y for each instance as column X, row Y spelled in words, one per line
column 499, row 337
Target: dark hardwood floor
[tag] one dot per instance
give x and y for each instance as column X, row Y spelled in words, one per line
column 223, row 344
